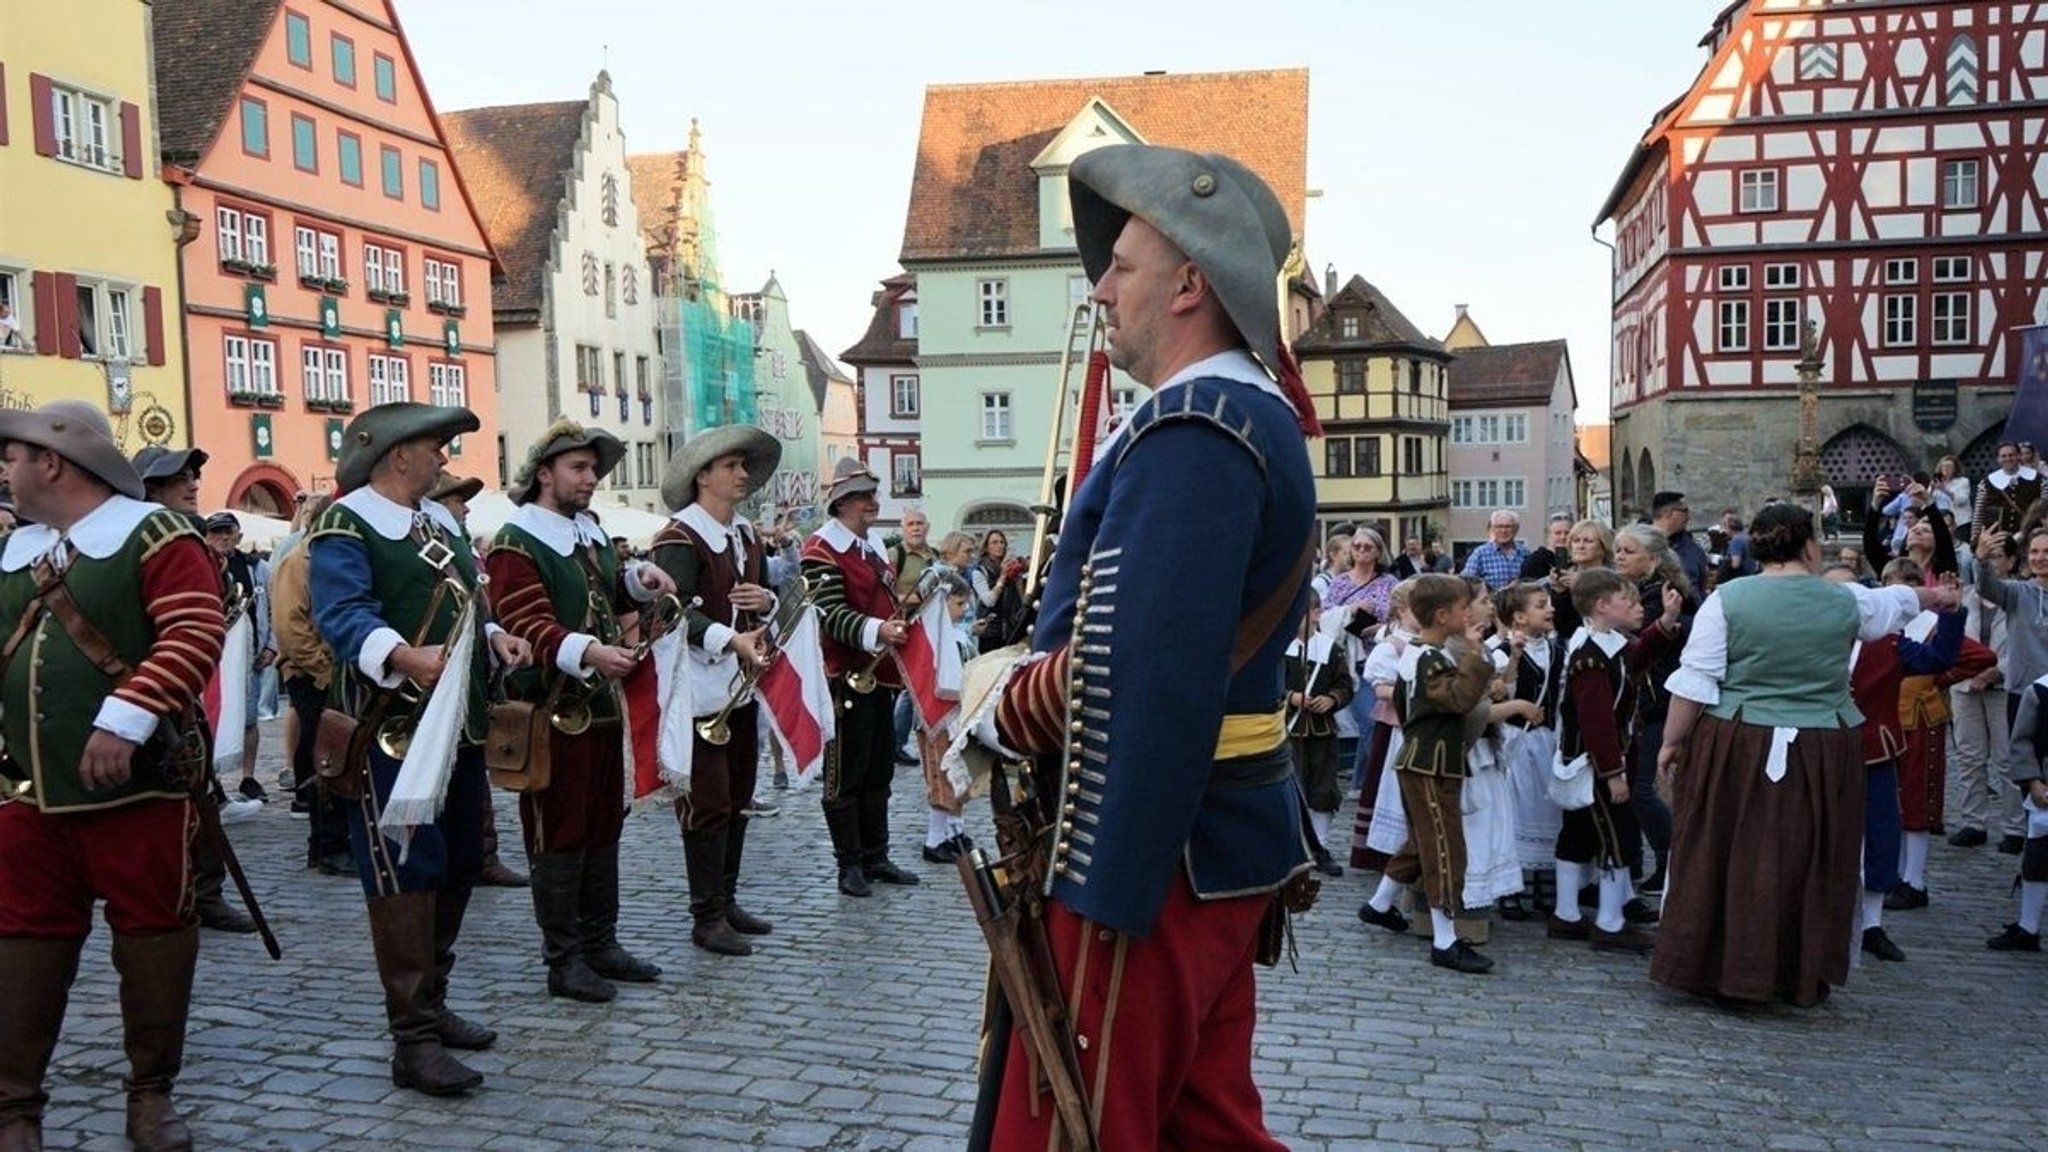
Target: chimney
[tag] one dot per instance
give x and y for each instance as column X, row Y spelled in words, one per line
column 1461, row 310
column 1329, row 281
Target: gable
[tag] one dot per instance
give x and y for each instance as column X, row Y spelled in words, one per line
column 1095, row 126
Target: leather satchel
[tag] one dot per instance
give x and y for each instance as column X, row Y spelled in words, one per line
column 341, row 752
column 519, row 745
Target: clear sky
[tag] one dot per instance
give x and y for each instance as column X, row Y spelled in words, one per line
column 1461, row 146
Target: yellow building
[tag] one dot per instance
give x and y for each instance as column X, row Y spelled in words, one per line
column 89, row 295
column 1381, row 390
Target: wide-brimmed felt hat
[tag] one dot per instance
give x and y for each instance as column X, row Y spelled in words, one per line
column 376, row 431
column 1214, row 209
column 564, row 435
column 159, row 463
column 80, row 433
column 850, row 477
column 463, row 488
column 763, row 453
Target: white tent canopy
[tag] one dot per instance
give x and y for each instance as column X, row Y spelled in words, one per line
column 491, row 509
column 261, row 533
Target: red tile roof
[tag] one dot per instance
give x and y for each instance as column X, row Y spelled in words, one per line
column 1381, row 325
column 973, row 193
column 658, row 179
column 204, row 49
column 515, row 160
column 1506, row 375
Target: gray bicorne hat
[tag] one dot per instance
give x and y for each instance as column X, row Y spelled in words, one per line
column 376, row 431
column 1214, row 209
column 564, row 435
column 80, row 433
column 159, row 463
column 763, row 452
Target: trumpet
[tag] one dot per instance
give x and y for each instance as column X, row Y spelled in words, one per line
column 862, row 680
column 394, row 731
column 717, row 729
column 571, row 715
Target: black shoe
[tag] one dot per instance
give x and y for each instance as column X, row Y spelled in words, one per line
column 1880, row 945
column 2011, row 844
column 1391, row 919
column 1638, row 911
column 944, row 852
column 336, row 864
column 2015, row 939
column 620, row 966
column 853, row 882
column 1905, row 898
column 252, row 789
column 1968, row 838
column 221, row 916
column 1512, row 908
column 1327, row 866
column 1654, row 886
column 1460, row 957
column 887, row 872
column 455, row 1032
column 1630, row 939
column 744, row 922
column 573, row 980
column 964, row 843
column 1580, row 929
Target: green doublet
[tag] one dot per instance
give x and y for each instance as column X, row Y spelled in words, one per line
column 579, row 605
column 403, row 583
column 1789, row 639
column 52, row 693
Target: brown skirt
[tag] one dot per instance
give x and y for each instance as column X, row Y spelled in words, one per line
column 1764, row 876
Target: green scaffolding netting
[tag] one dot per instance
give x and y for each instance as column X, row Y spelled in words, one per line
column 719, row 350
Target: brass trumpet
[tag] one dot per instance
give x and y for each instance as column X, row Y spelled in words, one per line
column 862, row 680
column 394, row 731
column 573, row 716
column 716, row 729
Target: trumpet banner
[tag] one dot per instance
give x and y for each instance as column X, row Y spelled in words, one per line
column 226, row 697
column 796, row 700
column 930, row 662
column 421, row 790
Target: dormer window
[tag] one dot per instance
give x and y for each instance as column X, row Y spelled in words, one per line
column 1347, row 326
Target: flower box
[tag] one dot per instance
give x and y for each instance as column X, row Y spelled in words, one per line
column 264, row 272
column 269, row 400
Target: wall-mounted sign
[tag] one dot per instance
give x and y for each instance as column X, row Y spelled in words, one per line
column 330, row 318
column 451, row 338
column 255, row 308
column 261, row 444
column 334, row 438
column 1934, row 405
column 394, row 327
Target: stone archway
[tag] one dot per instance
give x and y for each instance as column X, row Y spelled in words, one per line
column 1646, row 481
column 1854, row 458
column 1012, row 520
column 1980, row 459
column 265, row 489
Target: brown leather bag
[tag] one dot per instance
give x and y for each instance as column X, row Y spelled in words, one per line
column 341, row 751
column 519, row 745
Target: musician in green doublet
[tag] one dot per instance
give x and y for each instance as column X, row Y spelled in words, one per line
column 391, row 573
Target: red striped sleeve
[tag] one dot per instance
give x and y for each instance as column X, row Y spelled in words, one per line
column 182, row 592
column 520, row 598
column 1032, row 716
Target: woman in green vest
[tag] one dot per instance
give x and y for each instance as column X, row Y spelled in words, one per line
column 1763, row 747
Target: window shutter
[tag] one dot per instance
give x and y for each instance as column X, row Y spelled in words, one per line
column 67, row 317
column 3, row 104
column 153, row 324
column 45, row 288
column 41, row 115
column 131, row 141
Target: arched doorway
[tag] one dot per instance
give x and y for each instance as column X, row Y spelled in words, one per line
column 1646, row 481
column 265, row 489
column 1624, row 483
column 1013, row 520
column 1980, row 459
column 1854, row 458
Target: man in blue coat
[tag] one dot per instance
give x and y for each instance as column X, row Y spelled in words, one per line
column 1180, row 576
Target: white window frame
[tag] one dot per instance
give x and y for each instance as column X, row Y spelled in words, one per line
column 1961, row 184
column 1781, row 323
column 19, row 296
column 447, row 385
column 1901, row 320
column 227, row 230
column 1758, row 190
column 1781, row 277
column 906, row 319
column 1461, row 429
column 1731, row 326
column 444, row 282
column 993, row 297
column 1952, row 269
column 1902, row 270
column 85, row 127
column 996, row 426
column 318, row 251
column 1078, row 292
column 1949, row 318
column 323, row 373
column 1733, row 277
column 903, row 395
column 114, row 308
column 1515, row 428
column 252, row 360
column 390, row 379
column 906, row 481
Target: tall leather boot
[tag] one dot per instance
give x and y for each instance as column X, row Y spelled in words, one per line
column 495, row 872
column 742, row 921
column 449, row 907
column 402, row 933
column 599, row 908
column 35, row 984
column 209, row 878
column 704, row 860
column 156, row 994
column 557, row 892
column 874, row 841
column 842, row 820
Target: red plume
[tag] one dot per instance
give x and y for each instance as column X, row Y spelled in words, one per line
column 1297, row 393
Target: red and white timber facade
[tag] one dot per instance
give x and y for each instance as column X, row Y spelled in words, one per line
column 1877, row 167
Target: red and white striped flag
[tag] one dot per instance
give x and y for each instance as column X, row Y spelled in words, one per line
column 930, row 662
column 640, row 695
column 796, row 699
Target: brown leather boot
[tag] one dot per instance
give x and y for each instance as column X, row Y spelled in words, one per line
column 156, row 994
column 35, row 984
column 495, row 872
column 449, row 907
column 704, row 860
column 402, row 934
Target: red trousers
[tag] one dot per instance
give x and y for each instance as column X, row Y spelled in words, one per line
column 1923, row 777
column 136, row 857
column 1166, row 1023
column 584, row 804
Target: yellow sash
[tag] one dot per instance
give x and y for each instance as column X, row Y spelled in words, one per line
column 1250, row 733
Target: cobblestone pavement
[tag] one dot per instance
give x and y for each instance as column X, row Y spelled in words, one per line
column 852, row 1027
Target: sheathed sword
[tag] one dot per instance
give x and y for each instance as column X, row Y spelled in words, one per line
column 207, row 797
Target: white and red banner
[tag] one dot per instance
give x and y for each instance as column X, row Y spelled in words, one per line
column 796, row 700
column 226, row 698
column 930, row 662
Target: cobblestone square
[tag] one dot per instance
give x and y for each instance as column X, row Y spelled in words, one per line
column 853, row 1027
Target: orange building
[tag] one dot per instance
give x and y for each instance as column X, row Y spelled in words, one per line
column 335, row 260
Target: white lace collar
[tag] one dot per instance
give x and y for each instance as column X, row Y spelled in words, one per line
column 2002, row 479
column 710, row 530
column 838, row 537
column 557, row 531
column 1608, row 642
column 392, row 520
column 98, row 535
